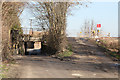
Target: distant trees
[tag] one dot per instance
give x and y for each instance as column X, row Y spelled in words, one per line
column 89, row 29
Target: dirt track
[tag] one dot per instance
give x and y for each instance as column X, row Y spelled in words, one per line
column 88, row 61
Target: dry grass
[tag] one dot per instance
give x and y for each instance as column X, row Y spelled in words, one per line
column 110, row 43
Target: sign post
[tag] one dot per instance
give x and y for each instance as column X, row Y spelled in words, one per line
column 98, row 31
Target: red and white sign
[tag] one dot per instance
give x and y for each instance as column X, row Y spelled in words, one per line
column 98, row 25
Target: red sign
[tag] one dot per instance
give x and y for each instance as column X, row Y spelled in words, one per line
column 98, row 25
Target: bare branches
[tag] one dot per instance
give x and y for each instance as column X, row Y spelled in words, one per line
column 10, row 18
column 54, row 14
column 88, row 29
column 11, row 12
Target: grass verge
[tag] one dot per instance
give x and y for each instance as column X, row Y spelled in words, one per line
column 3, row 69
column 114, row 54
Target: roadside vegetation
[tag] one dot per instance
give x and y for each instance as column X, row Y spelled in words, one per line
column 110, row 45
column 3, row 69
column 67, row 53
column 11, row 27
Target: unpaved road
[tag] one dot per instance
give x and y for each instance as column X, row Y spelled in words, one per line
column 88, row 61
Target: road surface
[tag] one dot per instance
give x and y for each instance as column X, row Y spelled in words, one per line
column 88, row 61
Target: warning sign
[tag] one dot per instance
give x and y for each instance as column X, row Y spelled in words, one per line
column 98, row 25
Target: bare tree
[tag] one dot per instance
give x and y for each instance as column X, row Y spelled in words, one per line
column 89, row 28
column 10, row 17
column 54, row 14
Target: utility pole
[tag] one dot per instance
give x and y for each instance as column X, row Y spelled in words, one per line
column 98, row 29
column 31, row 29
column 30, row 23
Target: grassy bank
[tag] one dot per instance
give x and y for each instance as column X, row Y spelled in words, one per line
column 110, row 45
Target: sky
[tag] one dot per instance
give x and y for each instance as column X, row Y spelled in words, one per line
column 104, row 13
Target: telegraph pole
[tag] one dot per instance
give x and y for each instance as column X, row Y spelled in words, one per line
column 31, row 29
column 30, row 23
